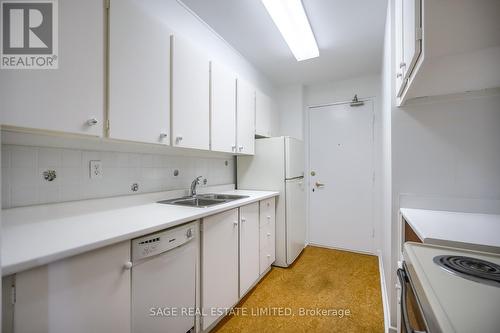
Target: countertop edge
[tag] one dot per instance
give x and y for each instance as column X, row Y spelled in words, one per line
column 20, row 266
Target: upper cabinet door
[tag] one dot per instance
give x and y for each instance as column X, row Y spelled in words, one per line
column 190, row 96
column 263, row 115
column 412, row 36
column 70, row 98
column 399, row 61
column 245, row 117
column 223, row 109
column 139, row 74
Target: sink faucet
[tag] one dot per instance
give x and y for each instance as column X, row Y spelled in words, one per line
column 195, row 182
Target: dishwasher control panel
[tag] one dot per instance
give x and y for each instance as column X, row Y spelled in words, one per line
column 162, row 241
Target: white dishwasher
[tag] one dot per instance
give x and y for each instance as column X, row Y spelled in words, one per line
column 164, row 281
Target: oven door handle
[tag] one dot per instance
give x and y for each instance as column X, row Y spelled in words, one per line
column 403, row 279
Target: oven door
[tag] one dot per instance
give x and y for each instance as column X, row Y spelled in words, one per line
column 412, row 319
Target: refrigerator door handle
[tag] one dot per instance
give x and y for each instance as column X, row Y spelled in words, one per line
column 295, row 178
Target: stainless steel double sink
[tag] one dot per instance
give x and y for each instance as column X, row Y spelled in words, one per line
column 203, row 200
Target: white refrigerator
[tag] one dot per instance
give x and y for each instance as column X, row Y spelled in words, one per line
column 278, row 165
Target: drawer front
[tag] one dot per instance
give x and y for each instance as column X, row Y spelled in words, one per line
column 267, row 257
column 267, row 212
column 267, row 234
column 267, row 237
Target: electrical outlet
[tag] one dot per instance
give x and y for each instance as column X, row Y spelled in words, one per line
column 95, row 169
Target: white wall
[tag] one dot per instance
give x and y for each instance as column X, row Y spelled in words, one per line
column 341, row 91
column 386, row 163
column 291, row 110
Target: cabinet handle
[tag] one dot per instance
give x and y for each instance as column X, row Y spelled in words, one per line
column 269, row 256
column 268, row 204
column 269, row 217
column 401, row 65
column 233, row 148
column 399, row 75
column 178, row 139
column 268, row 234
column 92, row 122
column 243, row 219
column 240, row 148
column 235, row 223
column 128, row 265
column 163, row 135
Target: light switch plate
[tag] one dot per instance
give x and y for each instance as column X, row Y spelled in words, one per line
column 95, row 169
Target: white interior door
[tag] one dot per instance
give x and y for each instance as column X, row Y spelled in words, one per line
column 341, row 176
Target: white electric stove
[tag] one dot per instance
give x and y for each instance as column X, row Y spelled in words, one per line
column 449, row 290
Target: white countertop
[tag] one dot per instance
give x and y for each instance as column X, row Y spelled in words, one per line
column 474, row 231
column 37, row 235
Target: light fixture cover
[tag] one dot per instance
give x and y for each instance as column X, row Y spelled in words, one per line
column 291, row 20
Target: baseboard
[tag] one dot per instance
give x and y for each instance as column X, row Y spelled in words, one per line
column 342, row 249
column 385, row 298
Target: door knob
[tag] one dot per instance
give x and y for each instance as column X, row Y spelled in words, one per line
column 318, row 184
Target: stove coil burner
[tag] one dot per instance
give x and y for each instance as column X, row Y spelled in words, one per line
column 473, row 269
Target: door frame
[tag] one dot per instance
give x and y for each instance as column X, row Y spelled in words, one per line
column 307, row 136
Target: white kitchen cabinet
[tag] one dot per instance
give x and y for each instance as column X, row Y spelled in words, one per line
column 223, row 109
column 245, row 117
column 249, row 247
column 398, row 46
column 219, row 260
column 448, row 47
column 68, row 99
column 89, row 292
column 412, row 36
column 267, row 223
column 408, row 43
column 190, row 95
column 139, row 73
column 264, row 120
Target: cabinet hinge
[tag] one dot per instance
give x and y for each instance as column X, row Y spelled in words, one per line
column 419, row 33
column 107, row 3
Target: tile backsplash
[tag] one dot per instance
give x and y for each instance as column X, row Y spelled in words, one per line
column 23, row 170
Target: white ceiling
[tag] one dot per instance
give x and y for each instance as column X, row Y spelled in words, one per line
column 349, row 34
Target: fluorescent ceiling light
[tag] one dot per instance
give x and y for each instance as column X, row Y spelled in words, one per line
column 291, row 20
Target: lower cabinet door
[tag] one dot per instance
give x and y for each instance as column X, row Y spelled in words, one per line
column 219, row 271
column 86, row 293
column 249, row 246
